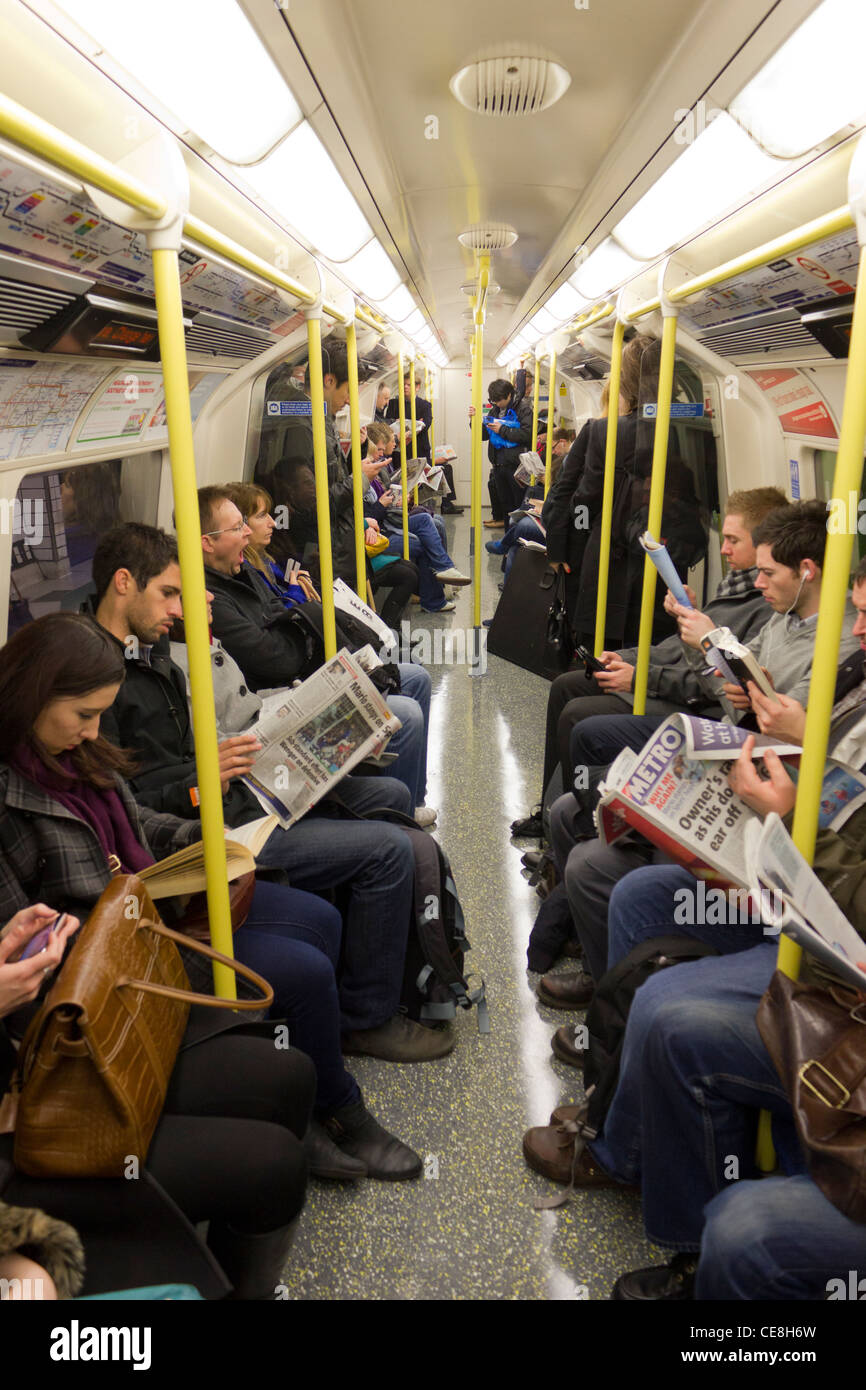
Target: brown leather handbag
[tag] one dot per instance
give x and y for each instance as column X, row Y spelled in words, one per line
column 96, row 1060
column 817, row 1041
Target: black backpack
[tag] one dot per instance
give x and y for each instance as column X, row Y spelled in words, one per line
column 306, row 623
column 434, row 985
column 606, row 1020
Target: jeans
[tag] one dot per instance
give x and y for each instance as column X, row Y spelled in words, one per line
column 778, row 1239
column 293, row 940
column 664, row 900
column 374, row 860
column 427, row 551
column 524, row 529
column 410, row 742
column 596, row 742
column 694, row 1075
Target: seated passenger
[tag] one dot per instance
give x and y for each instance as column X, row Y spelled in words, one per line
column 534, row 528
column 255, row 506
column 592, row 869
column 685, row 1141
column 273, row 649
column 371, row 859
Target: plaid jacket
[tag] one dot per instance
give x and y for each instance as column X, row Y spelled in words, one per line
column 48, row 855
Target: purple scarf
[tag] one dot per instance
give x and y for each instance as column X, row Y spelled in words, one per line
column 101, row 809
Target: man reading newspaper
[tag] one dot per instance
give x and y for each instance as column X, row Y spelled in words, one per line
column 591, row 868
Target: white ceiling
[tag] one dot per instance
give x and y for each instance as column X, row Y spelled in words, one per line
column 370, row 74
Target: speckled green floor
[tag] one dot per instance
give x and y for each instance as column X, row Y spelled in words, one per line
column 468, row 1230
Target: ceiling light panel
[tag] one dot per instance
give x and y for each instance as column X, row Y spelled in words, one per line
column 606, row 269
column 372, row 271
column 398, row 306
column 303, row 186
column 717, row 173
column 206, row 65
column 813, row 86
column 565, row 304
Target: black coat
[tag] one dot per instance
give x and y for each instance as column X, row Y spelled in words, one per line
column 520, row 435
column 271, row 646
column 423, row 411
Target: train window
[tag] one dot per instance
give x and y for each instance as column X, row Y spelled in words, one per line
column 285, row 405
column 825, row 468
column 58, row 519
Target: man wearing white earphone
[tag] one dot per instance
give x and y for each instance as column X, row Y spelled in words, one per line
column 789, row 547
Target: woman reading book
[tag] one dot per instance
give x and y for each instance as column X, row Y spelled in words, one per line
column 67, row 818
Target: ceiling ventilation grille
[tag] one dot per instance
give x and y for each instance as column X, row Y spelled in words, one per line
column 768, row 337
column 24, row 307
column 510, row 86
column 488, row 236
column 226, row 342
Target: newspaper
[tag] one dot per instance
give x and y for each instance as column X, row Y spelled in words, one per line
column 321, row 730
column 530, row 468
column 675, row 792
column 658, row 553
column 347, row 601
column 794, row 900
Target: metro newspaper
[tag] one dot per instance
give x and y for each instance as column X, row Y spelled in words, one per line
column 675, row 792
column 314, row 734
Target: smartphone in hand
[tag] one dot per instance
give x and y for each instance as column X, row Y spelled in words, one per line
column 591, row 662
column 38, row 942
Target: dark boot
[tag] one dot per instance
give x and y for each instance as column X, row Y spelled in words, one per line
column 253, row 1263
column 326, row 1160
column 356, row 1132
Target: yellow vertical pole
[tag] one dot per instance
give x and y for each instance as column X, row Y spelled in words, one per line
column 654, row 520
column 478, row 402
column 402, row 401
column 834, row 590
column 357, row 472
column 535, row 390
column 551, row 399
column 172, row 350
column 323, row 494
column 414, row 418
column 607, row 492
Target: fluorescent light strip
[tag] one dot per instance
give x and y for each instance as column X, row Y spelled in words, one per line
column 372, row 271
column 203, row 62
column 607, row 268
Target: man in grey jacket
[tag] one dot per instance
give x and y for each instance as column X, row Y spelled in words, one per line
column 673, row 684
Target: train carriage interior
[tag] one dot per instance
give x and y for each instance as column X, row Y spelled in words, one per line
column 194, row 198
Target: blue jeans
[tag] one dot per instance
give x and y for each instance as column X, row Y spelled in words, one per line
column 778, row 1239
column 694, row 1075
column 427, row 551
column 293, row 940
column 412, row 708
column 664, row 900
column 524, row 529
column 374, row 861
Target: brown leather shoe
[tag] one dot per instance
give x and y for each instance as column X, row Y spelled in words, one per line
column 550, row 1151
column 494, row 525
column 572, row 949
column 563, row 1046
column 571, row 991
column 566, row 1114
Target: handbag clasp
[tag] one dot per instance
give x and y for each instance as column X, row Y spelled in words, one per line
column 846, row 1094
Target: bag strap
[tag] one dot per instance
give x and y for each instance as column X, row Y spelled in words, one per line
column 189, row 996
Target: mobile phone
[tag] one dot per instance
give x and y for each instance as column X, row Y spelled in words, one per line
column 38, row 942
column 591, row 662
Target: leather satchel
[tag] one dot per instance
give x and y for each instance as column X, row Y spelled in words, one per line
column 95, row 1063
column 817, row 1041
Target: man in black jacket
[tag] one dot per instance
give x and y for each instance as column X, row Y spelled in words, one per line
column 505, row 460
column 137, row 582
column 424, row 413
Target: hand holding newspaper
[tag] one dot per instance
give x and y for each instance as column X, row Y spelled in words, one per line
column 658, row 553
column 322, row 729
column 675, row 792
column 530, row 468
column 794, row 900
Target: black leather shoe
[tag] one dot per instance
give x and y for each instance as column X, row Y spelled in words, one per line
column 571, row 991
column 326, row 1160
column 451, row 509
column 673, row 1282
column 531, row 827
column 354, row 1130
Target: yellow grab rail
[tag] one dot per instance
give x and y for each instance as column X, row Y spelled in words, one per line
column 607, row 490
column 535, row 390
column 414, row 419
column 834, row 590
column 656, row 502
column 548, row 444
column 478, row 402
column 172, row 348
column 357, row 471
column 323, row 491
column 401, row 401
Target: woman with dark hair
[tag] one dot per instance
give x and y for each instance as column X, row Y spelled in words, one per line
column 66, row 818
